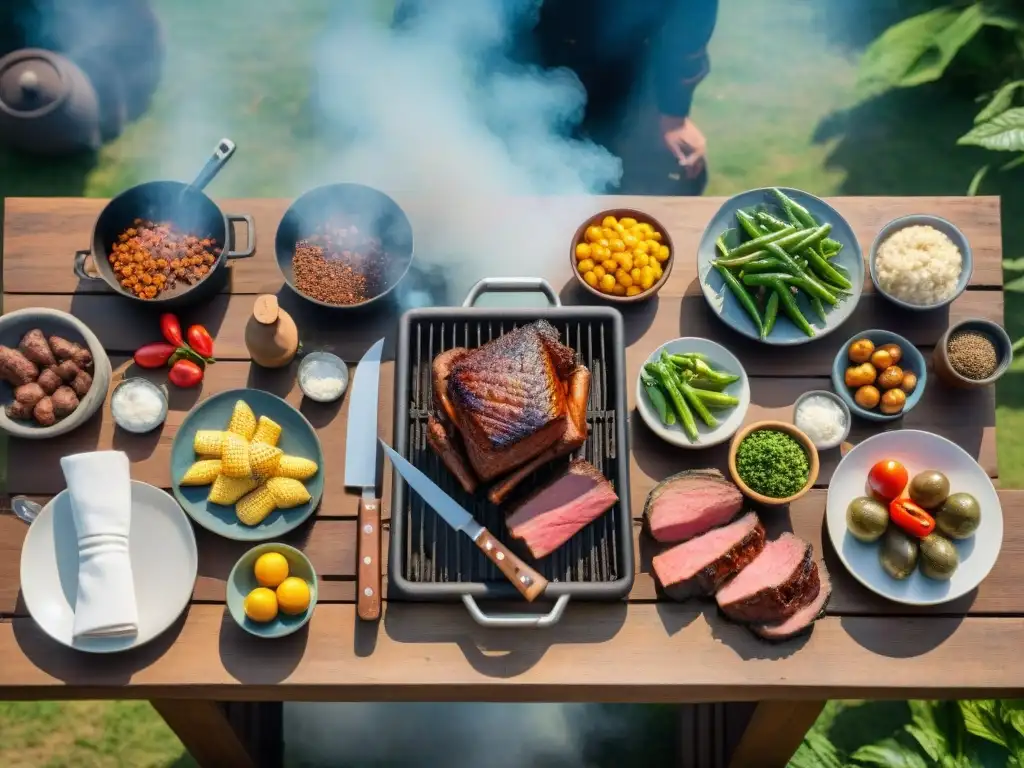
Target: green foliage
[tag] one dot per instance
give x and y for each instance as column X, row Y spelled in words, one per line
column 939, row 734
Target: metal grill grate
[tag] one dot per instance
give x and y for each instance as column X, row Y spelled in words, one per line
column 433, row 552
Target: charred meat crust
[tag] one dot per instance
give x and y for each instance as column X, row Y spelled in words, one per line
column 712, row 576
column 758, row 629
column 778, row 602
column 448, row 448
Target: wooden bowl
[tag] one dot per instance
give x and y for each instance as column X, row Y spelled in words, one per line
column 792, row 431
column 620, row 213
column 944, row 368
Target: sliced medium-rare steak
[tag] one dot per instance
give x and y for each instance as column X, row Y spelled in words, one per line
column 780, row 581
column 701, row 565
column 557, row 512
column 691, row 503
column 803, row 619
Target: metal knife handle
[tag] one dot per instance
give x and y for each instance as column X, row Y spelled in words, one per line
column 529, row 583
column 368, row 550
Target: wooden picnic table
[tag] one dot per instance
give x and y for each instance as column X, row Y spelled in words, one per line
column 642, row 649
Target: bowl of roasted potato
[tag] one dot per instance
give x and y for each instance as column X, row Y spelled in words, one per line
column 622, row 255
column 879, row 374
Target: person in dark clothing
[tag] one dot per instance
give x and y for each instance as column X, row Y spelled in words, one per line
column 640, row 62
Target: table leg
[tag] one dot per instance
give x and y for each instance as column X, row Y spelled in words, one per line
column 206, row 732
column 774, row 733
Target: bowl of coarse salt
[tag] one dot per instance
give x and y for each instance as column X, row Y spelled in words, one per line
column 823, row 417
column 323, row 377
column 138, row 405
column 920, row 262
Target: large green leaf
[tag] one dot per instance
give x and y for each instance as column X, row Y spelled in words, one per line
column 982, row 718
column 1003, row 133
column 926, row 729
column 918, row 50
column 1001, row 101
column 890, row 753
column 816, row 752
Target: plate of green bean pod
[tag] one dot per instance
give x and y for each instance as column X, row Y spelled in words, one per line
column 780, row 266
column 693, row 393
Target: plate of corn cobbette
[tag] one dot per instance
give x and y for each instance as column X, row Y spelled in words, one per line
column 780, row 266
column 247, row 465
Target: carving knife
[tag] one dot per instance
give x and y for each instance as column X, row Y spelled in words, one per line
column 361, row 473
column 526, row 579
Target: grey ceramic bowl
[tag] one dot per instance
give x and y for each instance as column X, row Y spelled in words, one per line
column 161, row 392
column 947, row 228
column 325, row 357
column 242, row 581
column 912, row 362
column 13, row 326
column 1004, row 349
column 838, row 401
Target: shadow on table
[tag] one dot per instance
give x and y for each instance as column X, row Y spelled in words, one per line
column 101, row 669
column 254, row 660
column 502, row 653
column 637, row 318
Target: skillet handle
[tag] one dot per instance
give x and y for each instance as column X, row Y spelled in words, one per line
column 79, row 266
column 512, row 285
column 225, row 149
column 516, row 620
column 250, row 235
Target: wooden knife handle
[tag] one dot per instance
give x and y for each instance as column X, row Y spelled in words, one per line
column 526, row 580
column 368, row 570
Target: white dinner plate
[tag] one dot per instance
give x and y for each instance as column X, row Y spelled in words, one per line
column 917, row 451
column 729, row 421
column 162, row 548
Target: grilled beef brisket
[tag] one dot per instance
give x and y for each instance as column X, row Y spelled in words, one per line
column 557, row 512
column 701, row 565
column 689, row 504
column 803, row 619
column 516, row 402
column 781, row 580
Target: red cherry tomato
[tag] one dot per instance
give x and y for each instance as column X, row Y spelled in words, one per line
column 171, row 329
column 911, row 518
column 154, row 355
column 185, row 373
column 888, row 478
column 200, row 340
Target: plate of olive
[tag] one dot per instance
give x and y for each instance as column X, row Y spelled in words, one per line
column 914, row 518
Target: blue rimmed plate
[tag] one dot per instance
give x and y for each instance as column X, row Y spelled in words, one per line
column 298, row 438
column 724, row 304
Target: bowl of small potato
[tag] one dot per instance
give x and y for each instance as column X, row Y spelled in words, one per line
column 621, row 255
column 879, row 374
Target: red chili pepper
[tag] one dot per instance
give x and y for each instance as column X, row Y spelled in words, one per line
column 171, row 329
column 200, row 340
column 911, row 518
column 154, row 355
column 185, row 373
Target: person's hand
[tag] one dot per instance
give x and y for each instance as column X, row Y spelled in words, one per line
column 684, row 140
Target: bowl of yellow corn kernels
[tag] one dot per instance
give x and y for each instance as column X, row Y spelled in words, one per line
column 622, row 255
column 246, row 465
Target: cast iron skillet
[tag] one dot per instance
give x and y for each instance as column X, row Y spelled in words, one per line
column 373, row 212
column 188, row 208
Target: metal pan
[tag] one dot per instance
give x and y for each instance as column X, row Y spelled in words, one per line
column 370, row 210
column 189, row 210
column 430, row 561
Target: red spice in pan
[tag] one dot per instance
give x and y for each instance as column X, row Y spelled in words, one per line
column 339, row 265
column 150, row 258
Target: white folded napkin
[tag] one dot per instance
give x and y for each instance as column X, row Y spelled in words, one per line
column 100, row 487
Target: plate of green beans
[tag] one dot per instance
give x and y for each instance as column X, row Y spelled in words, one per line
column 693, row 393
column 780, row 266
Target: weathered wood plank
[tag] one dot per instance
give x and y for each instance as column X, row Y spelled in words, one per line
column 634, row 652
column 36, row 253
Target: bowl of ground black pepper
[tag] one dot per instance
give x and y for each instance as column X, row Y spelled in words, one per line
column 973, row 353
column 344, row 245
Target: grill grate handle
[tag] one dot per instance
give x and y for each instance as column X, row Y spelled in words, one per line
column 512, row 285
column 516, row 620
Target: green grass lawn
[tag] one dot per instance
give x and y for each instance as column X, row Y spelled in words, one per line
column 777, row 108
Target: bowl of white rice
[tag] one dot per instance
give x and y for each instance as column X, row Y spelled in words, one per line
column 920, row 262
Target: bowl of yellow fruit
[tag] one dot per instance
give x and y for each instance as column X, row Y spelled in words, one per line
column 246, row 465
column 621, row 255
column 272, row 590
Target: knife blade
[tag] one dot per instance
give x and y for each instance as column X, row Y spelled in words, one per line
column 529, row 583
column 361, row 472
